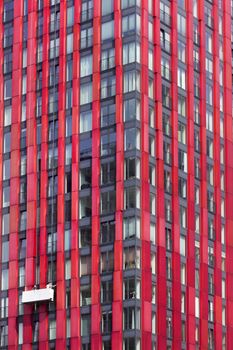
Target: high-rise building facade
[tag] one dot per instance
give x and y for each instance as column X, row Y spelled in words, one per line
column 116, row 178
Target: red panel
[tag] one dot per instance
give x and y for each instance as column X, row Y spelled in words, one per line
column 75, row 289
column 117, row 305
column 203, row 212
column 96, row 341
column 161, row 247
column 176, row 286
column 227, row 76
column 60, row 267
column 15, row 178
column 146, row 320
column 190, row 295
column 217, row 183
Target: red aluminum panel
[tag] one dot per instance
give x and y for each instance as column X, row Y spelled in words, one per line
column 30, row 262
column 146, row 321
column 203, row 189
column 60, row 267
column 96, row 340
column 43, row 312
column 217, row 184
column 1, row 109
column 75, row 288
column 176, row 283
column 160, row 209
column 190, row 291
column 15, row 177
column 228, row 144
column 117, row 305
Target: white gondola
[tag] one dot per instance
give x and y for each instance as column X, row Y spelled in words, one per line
column 38, row 295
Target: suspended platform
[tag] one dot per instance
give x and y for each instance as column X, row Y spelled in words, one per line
column 38, row 295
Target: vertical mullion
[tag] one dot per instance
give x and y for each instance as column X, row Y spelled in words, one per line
column 176, row 282
column 30, row 264
column 117, row 305
column 146, row 322
column 228, row 145
column 203, row 202
column 75, row 283
column 43, row 313
column 96, row 341
column 15, row 176
column 190, row 290
column 60, row 263
column 217, row 184
column 160, row 240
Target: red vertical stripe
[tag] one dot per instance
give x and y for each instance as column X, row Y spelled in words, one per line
column 75, row 288
column 217, row 185
column 43, row 314
column 228, row 138
column 95, row 256
column 176, row 286
column 190, row 301
column 204, row 210
column 161, row 244
column 60, row 266
column 15, row 176
column 117, row 317
column 145, row 187
column 30, row 264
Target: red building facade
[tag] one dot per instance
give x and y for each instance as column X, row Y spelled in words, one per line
column 116, row 174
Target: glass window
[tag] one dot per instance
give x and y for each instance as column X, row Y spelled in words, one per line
column 85, row 265
column 132, row 198
column 132, row 168
column 181, row 78
column 4, row 284
column 131, row 53
column 85, row 65
column 108, row 87
column 108, row 143
column 131, row 109
column 7, row 89
column 69, row 43
column 85, row 325
column 84, row 237
column 85, row 207
column 107, row 262
column 131, row 81
column 107, row 7
column 108, row 202
column 130, row 24
column 85, row 121
column 6, row 169
column 108, row 30
column 107, row 59
column 131, row 227
column 132, row 139
column 107, row 230
column 70, row 16
column 131, row 258
column 5, row 251
column 86, row 38
column 52, row 329
column 6, row 197
column 85, row 93
column 85, row 295
column 181, row 24
column 5, row 224
column 7, row 142
column 128, row 3
column 7, row 115
column 183, row 246
column 131, row 289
